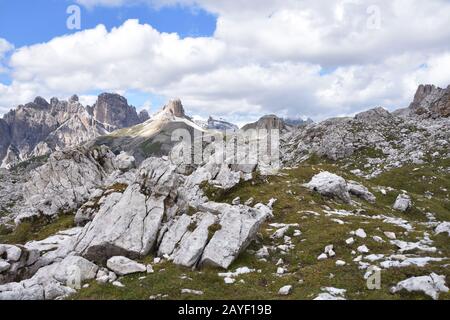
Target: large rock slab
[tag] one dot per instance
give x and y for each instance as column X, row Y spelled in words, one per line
column 65, row 181
column 431, row 285
column 123, row 266
column 133, row 225
column 236, row 228
column 330, row 185
column 193, row 243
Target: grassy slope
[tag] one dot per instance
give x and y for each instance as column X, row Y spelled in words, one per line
column 36, row 231
column 318, row 232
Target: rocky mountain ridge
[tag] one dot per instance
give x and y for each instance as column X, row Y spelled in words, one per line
column 40, row 127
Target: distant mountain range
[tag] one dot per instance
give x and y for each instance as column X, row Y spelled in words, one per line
column 40, row 127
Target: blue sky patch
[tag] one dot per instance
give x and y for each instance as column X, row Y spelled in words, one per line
column 24, row 22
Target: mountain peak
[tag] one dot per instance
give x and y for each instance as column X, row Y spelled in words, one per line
column 113, row 109
column 175, row 108
column 267, row 122
column 430, row 100
column 41, row 102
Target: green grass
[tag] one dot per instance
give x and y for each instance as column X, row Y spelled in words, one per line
column 28, row 231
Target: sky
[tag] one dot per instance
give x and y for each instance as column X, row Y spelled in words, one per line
column 235, row 59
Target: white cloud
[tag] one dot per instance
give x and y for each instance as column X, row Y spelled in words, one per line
column 287, row 57
column 5, row 47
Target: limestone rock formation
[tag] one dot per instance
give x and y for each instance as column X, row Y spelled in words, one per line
column 431, row 101
column 38, row 128
column 268, row 122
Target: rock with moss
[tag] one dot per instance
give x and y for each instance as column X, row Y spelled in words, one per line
column 236, row 228
column 192, row 244
column 133, row 224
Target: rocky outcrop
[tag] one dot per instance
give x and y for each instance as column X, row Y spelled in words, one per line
column 65, row 182
column 113, row 111
column 175, row 108
column 235, row 228
column 374, row 141
column 268, row 122
column 40, row 127
column 431, row 101
column 151, row 215
column 54, row 281
column 332, row 185
column 15, row 262
column 221, row 125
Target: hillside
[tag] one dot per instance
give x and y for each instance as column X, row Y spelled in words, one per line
column 357, row 200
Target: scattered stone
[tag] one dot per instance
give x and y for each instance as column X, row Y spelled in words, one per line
column 249, row 202
column 378, row 239
column 350, row 241
column 330, row 293
column 431, row 285
column 403, row 202
column 229, row 280
column 361, row 233
column 281, row 271
column 323, row 256
column 123, row 266
column 329, row 250
column 118, row 284
column 238, row 272
column 390, row 235
column 193, row 292
column 444, row 227
column 286, row 290
column 340, row 263
column 150, row 269
column 262, row 253
column 363, row 249
column 360, row 191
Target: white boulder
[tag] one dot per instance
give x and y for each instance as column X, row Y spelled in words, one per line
column 331, row 185
column 403, row 202
column 123, row 266
column 444, row 227
column 431, row 285
column 286, row 290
